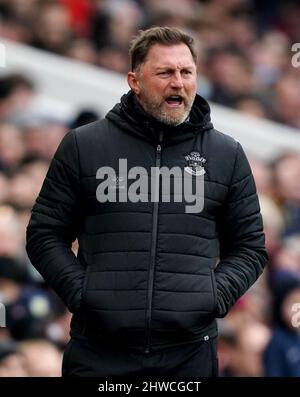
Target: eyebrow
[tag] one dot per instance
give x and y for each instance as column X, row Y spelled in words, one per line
column 158, row 68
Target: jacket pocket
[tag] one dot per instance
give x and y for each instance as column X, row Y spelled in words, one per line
column 214, row 290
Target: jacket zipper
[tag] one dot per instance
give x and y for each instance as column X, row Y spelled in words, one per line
column 153, row 243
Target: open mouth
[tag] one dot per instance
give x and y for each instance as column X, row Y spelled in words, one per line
column 174, row 100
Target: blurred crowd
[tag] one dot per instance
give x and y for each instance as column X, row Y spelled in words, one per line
column 245, row 63
column 244, row 45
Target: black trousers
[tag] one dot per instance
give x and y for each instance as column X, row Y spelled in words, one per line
column 85, row 359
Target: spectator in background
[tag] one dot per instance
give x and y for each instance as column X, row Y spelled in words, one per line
column 52, row 29
column 28, row 308
column 82, row 50
column 12, row 150
column 4, row 188
column 288, row 255
column 11, row 361
column 113, row 58
column 26, row 183
column 41, row 358
column 287, row 181
column 241, row 350
column 16, row 93
column 274, row 225
column 231, row 78
column 263, row 175
column 287, row 101
column 11, row 239
column 80, row 12
column 251, row 106
column 282, row 355
column 83, row 117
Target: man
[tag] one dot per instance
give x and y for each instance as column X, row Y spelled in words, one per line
column 144, row 287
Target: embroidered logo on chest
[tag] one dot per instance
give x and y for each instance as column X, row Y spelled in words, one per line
column 195, row 164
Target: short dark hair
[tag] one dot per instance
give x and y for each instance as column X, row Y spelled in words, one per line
column 141, row 44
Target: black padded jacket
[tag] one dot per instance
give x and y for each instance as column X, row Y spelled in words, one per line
column 147, row 275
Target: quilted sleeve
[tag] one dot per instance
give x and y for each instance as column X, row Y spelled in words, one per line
column 242, row 243
column 54, row 224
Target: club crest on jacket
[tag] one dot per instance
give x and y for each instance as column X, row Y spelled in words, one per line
column 195, row 164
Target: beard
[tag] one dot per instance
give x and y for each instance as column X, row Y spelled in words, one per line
column 172, row 117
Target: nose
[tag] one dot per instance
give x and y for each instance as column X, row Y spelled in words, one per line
column 176, row 81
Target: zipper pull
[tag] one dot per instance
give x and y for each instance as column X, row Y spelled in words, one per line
column 158, row 148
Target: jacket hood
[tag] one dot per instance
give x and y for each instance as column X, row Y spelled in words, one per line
column 132, row 118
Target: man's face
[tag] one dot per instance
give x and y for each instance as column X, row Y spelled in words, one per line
column 165, row 84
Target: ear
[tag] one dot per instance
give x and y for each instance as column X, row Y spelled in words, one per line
column 133, row 82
